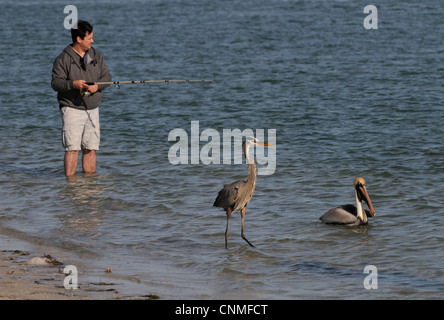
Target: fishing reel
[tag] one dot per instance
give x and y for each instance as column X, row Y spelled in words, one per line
column 85, row 93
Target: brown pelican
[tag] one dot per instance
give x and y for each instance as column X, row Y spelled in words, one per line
column 349, row 214
column 235, row 196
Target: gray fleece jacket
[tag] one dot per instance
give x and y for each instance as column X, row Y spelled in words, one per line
column 67, row 68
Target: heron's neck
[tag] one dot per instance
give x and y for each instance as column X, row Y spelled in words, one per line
column 252, row 174
column 361, row 213
column 251, row 168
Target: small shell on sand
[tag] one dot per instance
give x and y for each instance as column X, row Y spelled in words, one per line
column 38, row 261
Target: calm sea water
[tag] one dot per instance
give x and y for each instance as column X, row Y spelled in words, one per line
column 344, row 101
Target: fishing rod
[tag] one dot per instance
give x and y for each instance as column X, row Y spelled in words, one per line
column 147, row 81
column 118, row 83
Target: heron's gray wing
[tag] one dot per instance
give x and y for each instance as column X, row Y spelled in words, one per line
column 228, row 195
column 345, row 214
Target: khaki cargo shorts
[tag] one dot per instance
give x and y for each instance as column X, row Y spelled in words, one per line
column 81, row 129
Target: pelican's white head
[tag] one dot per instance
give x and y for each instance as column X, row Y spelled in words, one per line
column 361, row 194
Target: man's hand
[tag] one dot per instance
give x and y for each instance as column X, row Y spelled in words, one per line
column 92, row 88
column 80, row 84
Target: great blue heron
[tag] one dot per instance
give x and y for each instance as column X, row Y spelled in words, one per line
column 349, row 214
column 235, row 196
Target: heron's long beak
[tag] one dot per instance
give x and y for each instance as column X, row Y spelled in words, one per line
column 366, row 198
column 265, row 144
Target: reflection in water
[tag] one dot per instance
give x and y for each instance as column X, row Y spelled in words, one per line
column 85, row 196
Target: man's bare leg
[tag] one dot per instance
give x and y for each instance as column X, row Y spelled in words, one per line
column 70, row 162
column 89, row 161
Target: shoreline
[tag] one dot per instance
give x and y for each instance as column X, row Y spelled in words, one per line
column 22, row 281
column 27, row 273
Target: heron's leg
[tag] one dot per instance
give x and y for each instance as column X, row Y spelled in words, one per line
column 242, row 231
column 229, row 211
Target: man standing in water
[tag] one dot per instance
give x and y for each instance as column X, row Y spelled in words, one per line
column 73, row 74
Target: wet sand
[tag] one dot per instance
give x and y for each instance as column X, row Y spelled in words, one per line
column 24, row 276
column 31, row 272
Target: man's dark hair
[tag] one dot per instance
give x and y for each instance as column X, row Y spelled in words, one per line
column 83, row 27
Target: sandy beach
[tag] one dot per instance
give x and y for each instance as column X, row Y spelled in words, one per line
column 30, row 272
column 24, row 276
column 19, row 280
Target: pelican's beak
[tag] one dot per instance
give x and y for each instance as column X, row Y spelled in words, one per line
column 366, row 198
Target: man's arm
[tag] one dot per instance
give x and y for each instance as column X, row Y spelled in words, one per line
column 59, row 80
